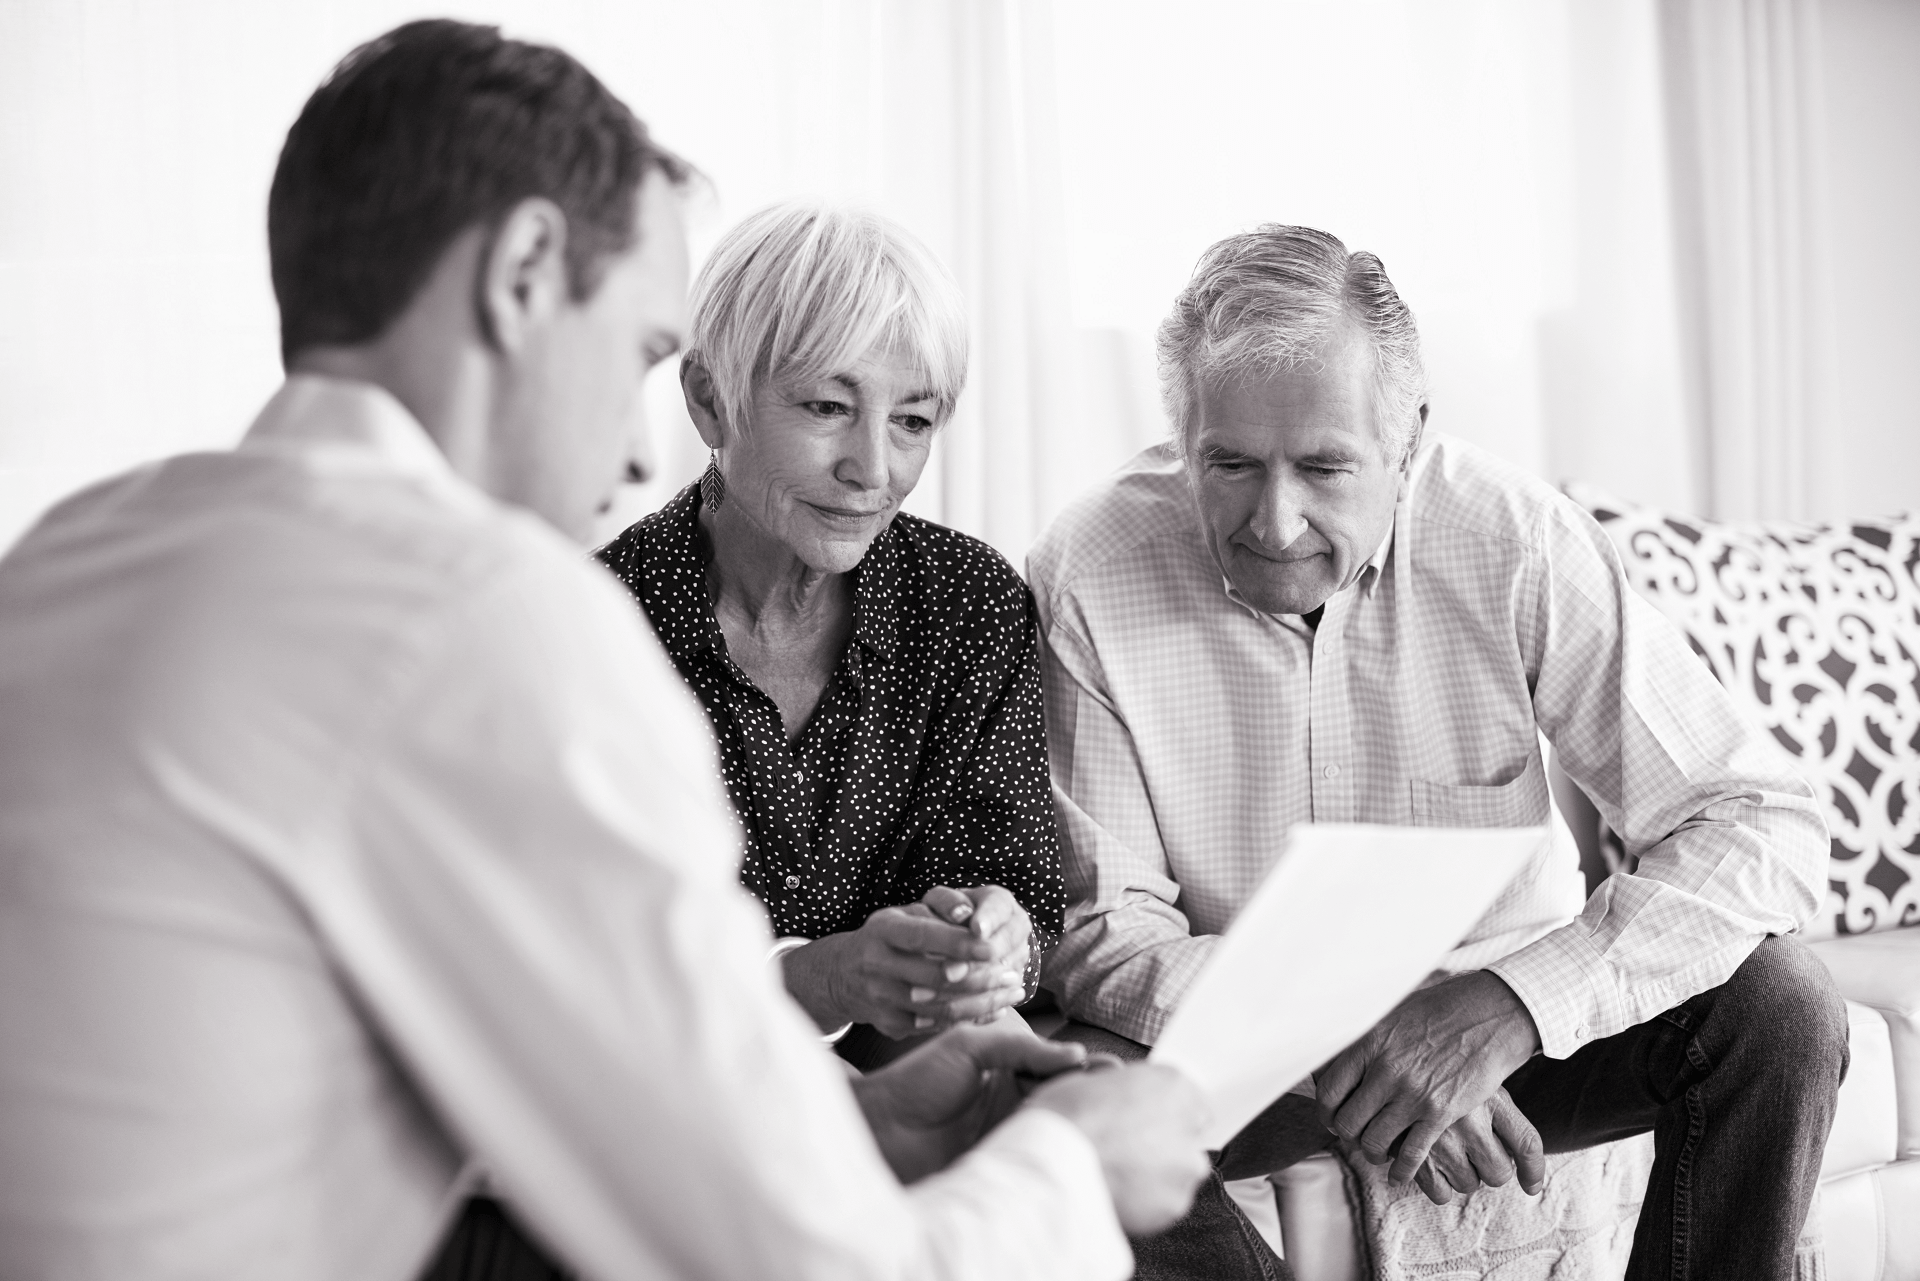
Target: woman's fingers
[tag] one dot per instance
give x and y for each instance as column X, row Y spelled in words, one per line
column 1003, row 923
column 898, row 967
column 944, row 1009
column 969, row 1009
column 920, row 999
column 950, row 905
column 994, row 909
column 892, row 966
column 915, row 929
column 919, row 972
column 989, row 912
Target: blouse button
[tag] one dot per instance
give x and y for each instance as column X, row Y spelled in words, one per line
column 800, row 776
column 793, row 882
column 1332, row 771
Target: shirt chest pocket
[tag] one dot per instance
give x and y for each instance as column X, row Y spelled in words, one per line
column 1519, row 802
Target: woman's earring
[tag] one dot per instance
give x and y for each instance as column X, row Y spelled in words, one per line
column 713, row 486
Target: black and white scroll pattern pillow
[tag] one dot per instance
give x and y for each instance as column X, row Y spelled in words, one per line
column 1816, row 630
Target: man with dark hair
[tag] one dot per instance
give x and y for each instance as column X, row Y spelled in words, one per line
column 360, row 850
column 360, row 211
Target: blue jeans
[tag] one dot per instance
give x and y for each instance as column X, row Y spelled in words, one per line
column 1737, row 1084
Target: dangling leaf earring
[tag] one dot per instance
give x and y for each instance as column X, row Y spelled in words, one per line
column 713, row 486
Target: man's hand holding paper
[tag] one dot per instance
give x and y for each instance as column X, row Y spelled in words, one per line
column 1143, row 1120
column 1294, row 925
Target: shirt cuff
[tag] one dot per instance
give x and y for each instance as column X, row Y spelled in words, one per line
column 1044, row 1208
column 1568, row 989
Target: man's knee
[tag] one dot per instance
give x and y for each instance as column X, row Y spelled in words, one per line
column 1784, row 995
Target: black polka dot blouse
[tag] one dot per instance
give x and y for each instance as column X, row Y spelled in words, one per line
column 925, row 763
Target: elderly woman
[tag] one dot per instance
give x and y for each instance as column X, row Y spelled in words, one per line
column 872, row 677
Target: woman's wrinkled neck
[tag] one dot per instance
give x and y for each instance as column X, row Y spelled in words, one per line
column 757, row 576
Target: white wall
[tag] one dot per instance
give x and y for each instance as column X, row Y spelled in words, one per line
column 1503, row 157
column 138, row 139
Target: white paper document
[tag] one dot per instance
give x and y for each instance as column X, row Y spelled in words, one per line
column 1349, row 919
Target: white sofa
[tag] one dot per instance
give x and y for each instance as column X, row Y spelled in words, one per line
column 1816, row 632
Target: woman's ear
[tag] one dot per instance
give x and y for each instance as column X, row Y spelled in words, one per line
column 703, row 399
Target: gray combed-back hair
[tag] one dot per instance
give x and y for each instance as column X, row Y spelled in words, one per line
column 1268, row 300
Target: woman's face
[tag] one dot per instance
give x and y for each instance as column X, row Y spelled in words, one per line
column 827, row 462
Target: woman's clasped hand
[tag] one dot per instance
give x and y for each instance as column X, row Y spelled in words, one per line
column 955, row 956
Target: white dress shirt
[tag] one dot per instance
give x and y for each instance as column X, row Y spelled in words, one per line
column 1188, row 732
column 356, row 837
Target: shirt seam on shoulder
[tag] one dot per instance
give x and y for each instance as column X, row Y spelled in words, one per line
column 1531, row 546
column 1106, row 555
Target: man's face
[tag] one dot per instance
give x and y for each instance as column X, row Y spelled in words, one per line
column 1294, row 490
column 571, row 421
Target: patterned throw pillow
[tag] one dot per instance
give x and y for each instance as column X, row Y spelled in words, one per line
column 1815, row 631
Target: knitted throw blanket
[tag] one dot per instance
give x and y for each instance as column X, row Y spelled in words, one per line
column 1580, row 1228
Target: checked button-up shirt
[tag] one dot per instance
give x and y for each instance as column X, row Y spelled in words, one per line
column 1188, row 732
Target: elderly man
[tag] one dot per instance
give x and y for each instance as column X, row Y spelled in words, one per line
column 359, row 847
column 1310, row 609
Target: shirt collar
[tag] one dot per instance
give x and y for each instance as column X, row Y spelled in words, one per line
column 876, row 595
column 676, row 558
column 674, row 565
column 313, row 411
column 1368, row 577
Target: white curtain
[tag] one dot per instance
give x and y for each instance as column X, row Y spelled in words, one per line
column 138, row 138
column 1743, row 103
column 1496, row 159
column 941, row 114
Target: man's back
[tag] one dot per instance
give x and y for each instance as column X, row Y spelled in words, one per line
column 198, row 661
column 194, row 652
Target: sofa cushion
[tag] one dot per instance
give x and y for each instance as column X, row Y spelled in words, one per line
column 1869, row 1226
column 1815, row 630
column 1863, row 1122
column 1883, row 971
column 1899, row 1187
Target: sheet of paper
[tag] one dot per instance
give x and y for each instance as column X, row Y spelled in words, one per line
column 1349, row 919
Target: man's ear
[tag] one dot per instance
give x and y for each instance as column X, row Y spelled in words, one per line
column 1413, row 442
column 522, row 283
column 703, row 399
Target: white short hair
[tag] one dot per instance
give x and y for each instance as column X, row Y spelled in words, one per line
column 1270, row 299
column 802, row 290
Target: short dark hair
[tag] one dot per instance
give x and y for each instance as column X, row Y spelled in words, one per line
column 426, row 131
